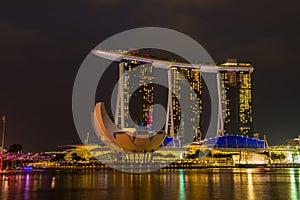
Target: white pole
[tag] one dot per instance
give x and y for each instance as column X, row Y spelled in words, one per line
column 170, row 107
column 220, row 114
column 120, row 97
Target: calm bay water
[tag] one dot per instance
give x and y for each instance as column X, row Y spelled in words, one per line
column 165, row 184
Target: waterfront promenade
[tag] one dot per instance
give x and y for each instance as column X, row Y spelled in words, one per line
column 195, row 156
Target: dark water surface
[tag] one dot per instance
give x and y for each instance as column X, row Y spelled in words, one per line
column 165, row 184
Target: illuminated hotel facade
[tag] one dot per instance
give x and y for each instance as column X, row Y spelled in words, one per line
column 187, row 93
column 137, row 75
column 237, row 86
column 236, row 94
column 138, row 91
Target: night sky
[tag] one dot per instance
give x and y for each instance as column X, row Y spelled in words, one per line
column 43, row 44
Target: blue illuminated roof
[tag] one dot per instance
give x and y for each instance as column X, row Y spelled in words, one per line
column 234, row 141
column 171, row 142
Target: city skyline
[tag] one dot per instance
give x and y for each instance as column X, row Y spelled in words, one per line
column 42, row 52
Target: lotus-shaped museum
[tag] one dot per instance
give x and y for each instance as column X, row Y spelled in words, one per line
column 133, row 141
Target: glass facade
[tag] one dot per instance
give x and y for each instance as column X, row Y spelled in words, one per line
column 138, row 77
column 237, row 95
column 238, row 98
column 191, row 94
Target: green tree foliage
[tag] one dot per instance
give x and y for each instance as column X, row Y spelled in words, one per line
column 15, row 148
column 277, row 156
column 76, row 157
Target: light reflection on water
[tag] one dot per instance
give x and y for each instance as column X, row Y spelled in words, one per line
column 181, row 185
column 169, row 184
column 295, row 186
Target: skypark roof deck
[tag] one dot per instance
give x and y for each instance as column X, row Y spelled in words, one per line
column 119, row 55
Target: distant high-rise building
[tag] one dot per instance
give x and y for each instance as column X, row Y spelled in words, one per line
column 236, row 80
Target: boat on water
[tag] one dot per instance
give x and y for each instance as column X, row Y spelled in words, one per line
column 264, row 169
